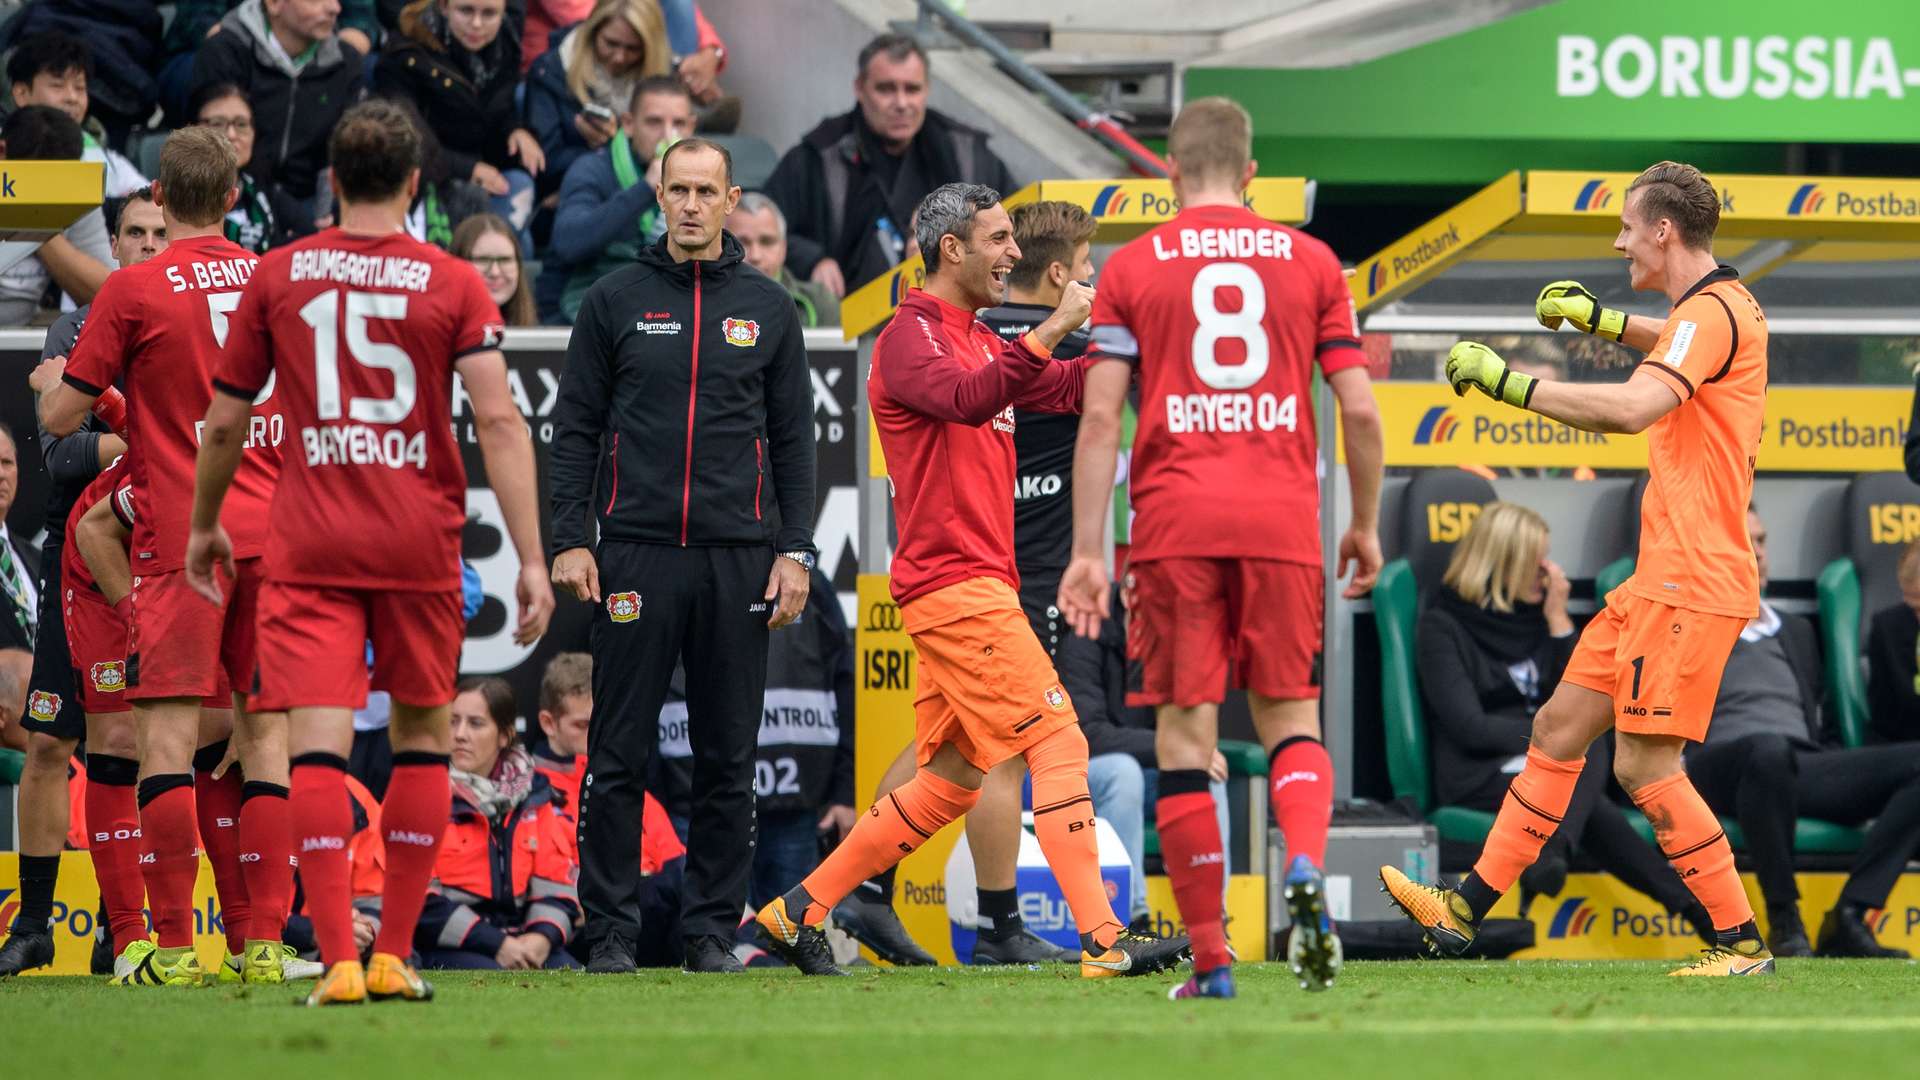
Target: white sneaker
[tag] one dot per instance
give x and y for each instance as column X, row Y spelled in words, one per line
column 292, row 967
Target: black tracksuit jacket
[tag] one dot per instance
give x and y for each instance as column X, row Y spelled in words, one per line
column 686, row 411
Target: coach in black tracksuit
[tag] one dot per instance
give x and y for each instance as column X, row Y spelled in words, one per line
column 685, row 422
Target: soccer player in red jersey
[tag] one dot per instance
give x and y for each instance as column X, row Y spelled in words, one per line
column 362, row 328
column 943, row 390
column 1223, row 316
column 159, row 327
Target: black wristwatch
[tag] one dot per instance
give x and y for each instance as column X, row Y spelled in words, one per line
column 804, row 558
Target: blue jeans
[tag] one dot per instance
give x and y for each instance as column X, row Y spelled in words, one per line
column 1122, row 791
column 786, row 850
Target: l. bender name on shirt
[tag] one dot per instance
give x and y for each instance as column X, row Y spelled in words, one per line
column 1238, row 242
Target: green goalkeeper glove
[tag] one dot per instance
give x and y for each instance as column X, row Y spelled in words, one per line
column 1473, row 364
column 1575, row 303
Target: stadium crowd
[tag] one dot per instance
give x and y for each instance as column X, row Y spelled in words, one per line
column 545, row 125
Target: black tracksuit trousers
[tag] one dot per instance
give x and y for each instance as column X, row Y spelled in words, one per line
column 704, row 607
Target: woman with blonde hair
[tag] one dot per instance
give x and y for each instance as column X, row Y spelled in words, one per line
column 1490, row 649
column 578, row 91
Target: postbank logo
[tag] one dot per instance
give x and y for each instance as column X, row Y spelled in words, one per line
column 1574, row 919
column 1807, row 200
column 1437, row 425
column 1594, row 195
column 1111, row 200
column 1376, row 278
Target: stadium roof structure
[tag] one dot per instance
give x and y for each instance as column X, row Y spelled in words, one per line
column 40, row 198
column 1835, row 254
column 1122, row 209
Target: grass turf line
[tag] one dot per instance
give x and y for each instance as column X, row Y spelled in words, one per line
column 1562, row 1019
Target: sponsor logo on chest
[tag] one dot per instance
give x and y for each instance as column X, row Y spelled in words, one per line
column 654, row 323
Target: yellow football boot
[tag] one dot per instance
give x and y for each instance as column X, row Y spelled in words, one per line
column 389, row 977
column 345, row 983
column 1746, row 957
column 1445, row 917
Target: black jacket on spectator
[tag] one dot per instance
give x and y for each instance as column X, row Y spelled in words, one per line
column 193, row 18
column 294, row 111
column 472, row 119
column 1094, row 674
column 124, row 37
column 648, row 357
column 837, row 186
column 1478, row 718
column 1893, row 708
column 550, row 109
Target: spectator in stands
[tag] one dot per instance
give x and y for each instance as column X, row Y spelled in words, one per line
column 123, row 40
column 852, row 180
column 298, row 73
column 566, row 711
column 607, row 210
column 15, row 667
column 262, row 216
column 488, row 242
column 194, row 21
column 1489, row 650
column 577, row 91
column 503, row 893
column 19, row 601
column 455, row 61
column 1893, row 660
column 73, row 262
column 52, row 69
column 1770, row 759
column 762, row 231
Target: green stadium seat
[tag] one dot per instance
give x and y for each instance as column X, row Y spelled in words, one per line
column 1840, row 617
column 11, row 763
column 1612, row 576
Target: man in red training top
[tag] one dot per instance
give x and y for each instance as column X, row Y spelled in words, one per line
column 943, row 390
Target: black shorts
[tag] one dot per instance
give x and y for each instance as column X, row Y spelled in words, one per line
column 53, row 700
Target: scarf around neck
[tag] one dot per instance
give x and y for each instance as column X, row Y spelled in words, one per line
column 496, row 795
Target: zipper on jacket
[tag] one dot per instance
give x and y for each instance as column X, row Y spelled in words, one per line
column 759, row 476
column 614, row 458
column 693, row 393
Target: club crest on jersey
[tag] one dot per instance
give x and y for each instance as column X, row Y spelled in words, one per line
column 744, row 333
column 623, row 607
column 43, row 706
column 110, row 676
column 492, row 335
column 1057, row 699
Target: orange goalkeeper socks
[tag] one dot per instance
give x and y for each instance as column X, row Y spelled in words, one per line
column 1535, row 803
column 1063, row 823
column 1693, row 842
column 892, row 828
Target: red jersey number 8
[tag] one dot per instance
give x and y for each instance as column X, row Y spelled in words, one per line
column 322, row 313
column 1215, row 326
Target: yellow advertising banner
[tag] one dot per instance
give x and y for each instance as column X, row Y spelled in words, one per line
column 1597, row 918
column 76, row 903
column 1782, row 206
column 1808, row 429
column 47, row 196
column 1439, row 243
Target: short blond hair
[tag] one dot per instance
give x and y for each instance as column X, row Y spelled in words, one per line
column 568, row 674
column 1677, row 192
column 1494, row 563
column 1212, row 140
column 197, row 170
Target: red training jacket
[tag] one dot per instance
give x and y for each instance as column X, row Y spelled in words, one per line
column 942, row 392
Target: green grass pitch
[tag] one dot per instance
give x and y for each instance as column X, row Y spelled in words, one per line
column 1619, row 1020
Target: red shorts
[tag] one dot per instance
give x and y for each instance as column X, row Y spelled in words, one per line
column 180, row 645
column 97, row 644
column 313, row 646
column 1660, row 664
column 1193, row 623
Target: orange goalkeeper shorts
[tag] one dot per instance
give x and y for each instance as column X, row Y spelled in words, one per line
column 1660, row 664
column 986, row 685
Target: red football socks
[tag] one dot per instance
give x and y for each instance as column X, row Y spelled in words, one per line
column 322, row 814
column 891, row 829
column 1693, row 842
column 1300, row 791
column 1196, row 863
column 170, row 853
column 113, row 842
column 266, row 857
column 1536, row 801
column 412, row 819
column 1063, row 823
column 217, row 805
